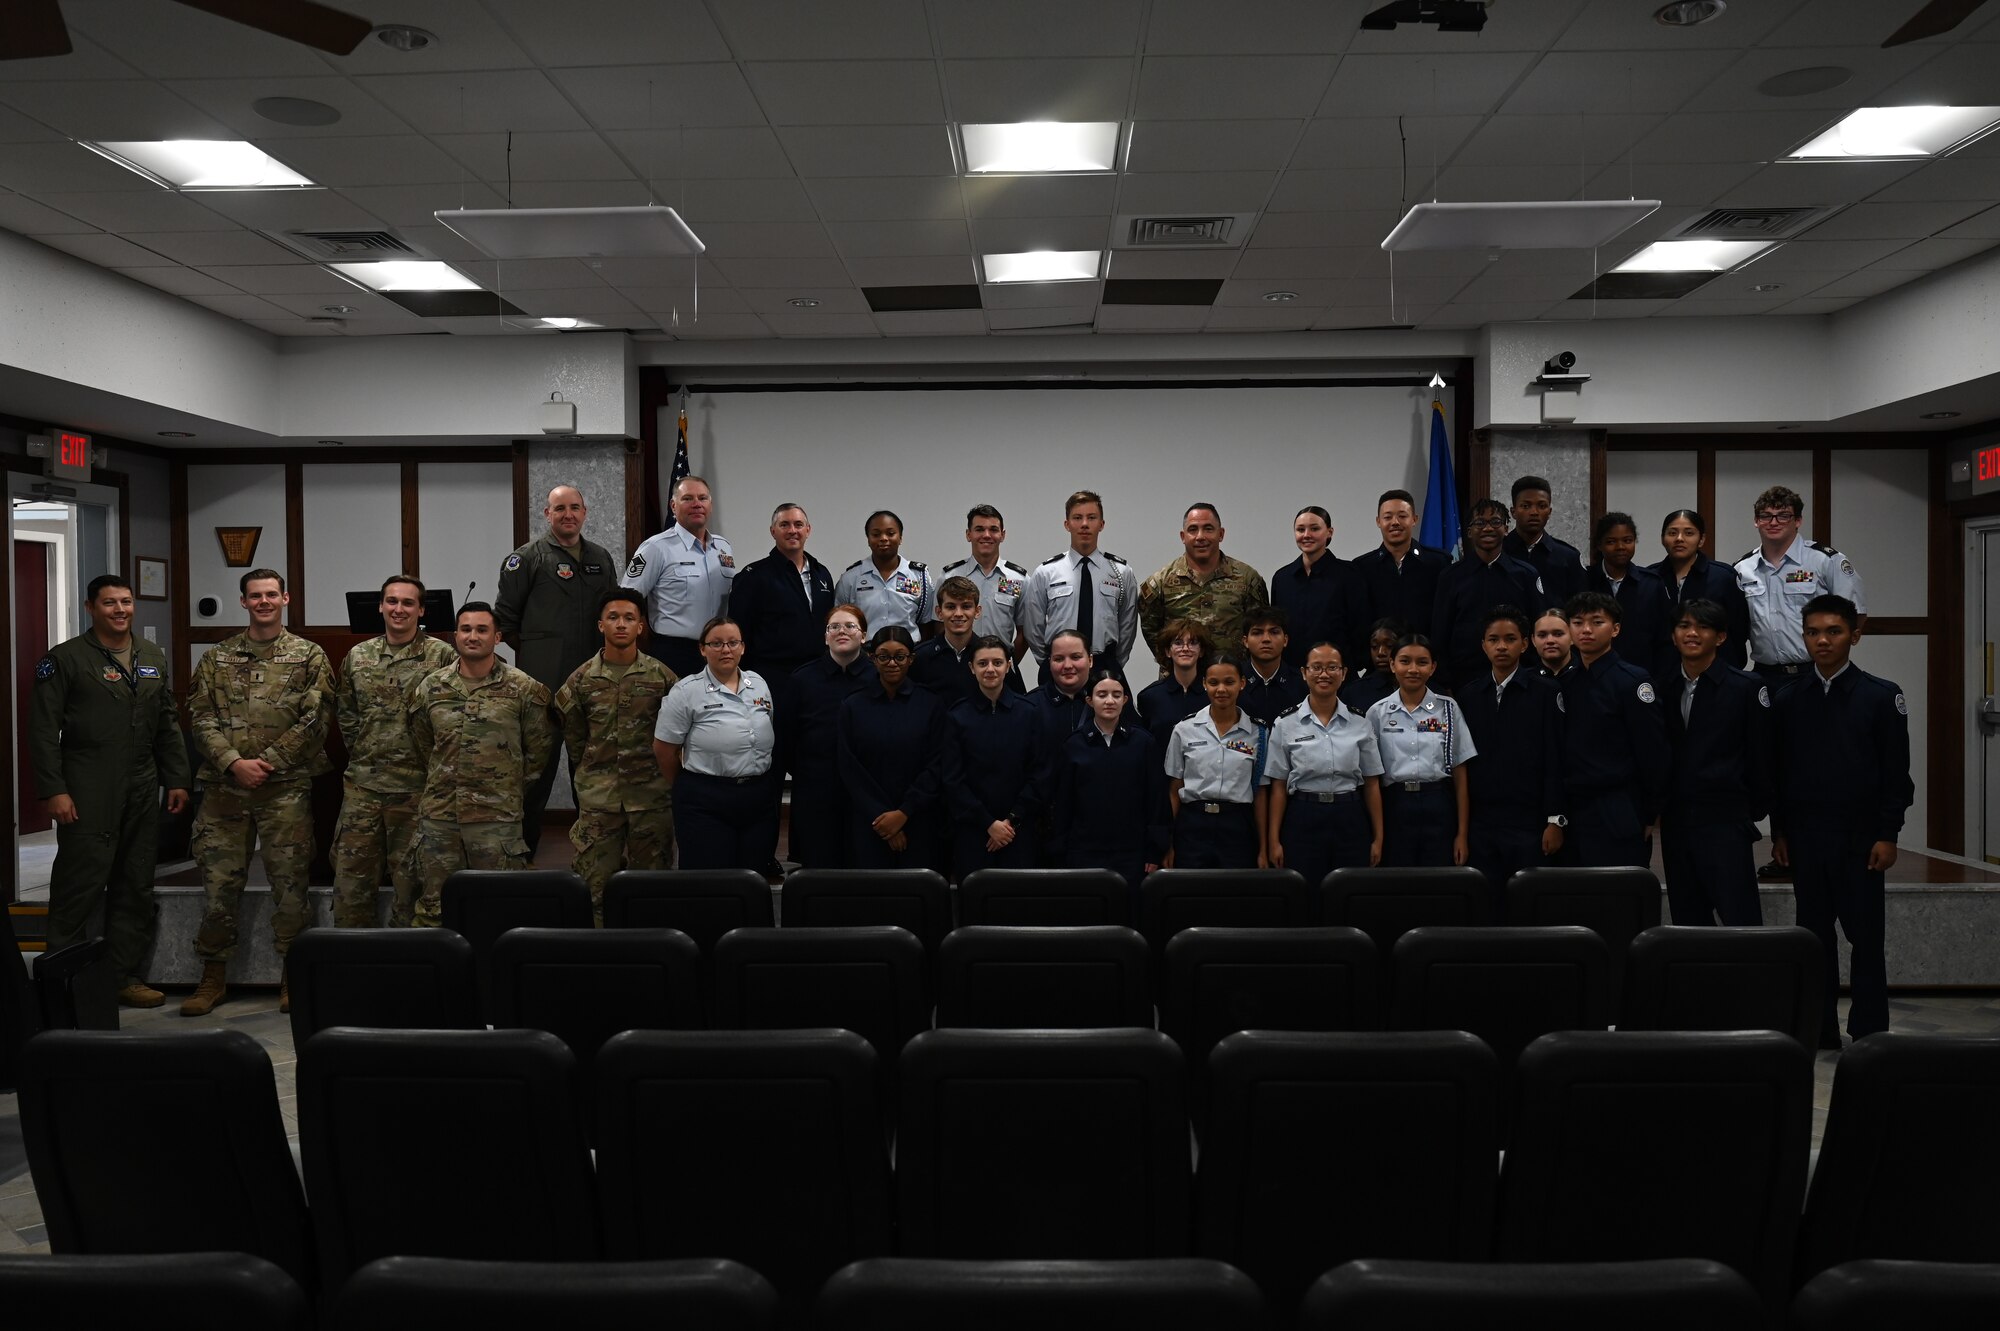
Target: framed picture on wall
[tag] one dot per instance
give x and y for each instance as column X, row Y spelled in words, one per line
column 151, row 577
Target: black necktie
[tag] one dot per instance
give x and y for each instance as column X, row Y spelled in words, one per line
column 1086, row 604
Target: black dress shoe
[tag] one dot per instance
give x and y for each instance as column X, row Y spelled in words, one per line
column 1830, row 1042
column 1774, row 872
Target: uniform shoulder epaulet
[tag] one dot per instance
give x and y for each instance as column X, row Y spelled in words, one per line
column 956, row 563
column 1008, row 563
column 1747, row 554
column 1287, row 712
column 1824, row 548
column 1113, row 558
column 1052, row 559
column 856, row 564
column 917, row 564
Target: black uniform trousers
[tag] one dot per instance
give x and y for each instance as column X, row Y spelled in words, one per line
column 1605, row 831
column 1320, row 836
column 680, row 655
column 1418, row 826
column 1711, row 871
column 1500, row 849
column 1224, row 839
column 969, row 853
column 1832, row 883
column 724, row 822
column 818, row 827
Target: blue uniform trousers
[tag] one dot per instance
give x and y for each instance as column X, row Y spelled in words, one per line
column 819, row 817
column 1832, row 883
column 969, row 853
column 724, row 822
column 1605, row 831
column 1500, row 850
column 1225, row 839
column 1321, row 837
column 1418, row 825
column 1711, row 871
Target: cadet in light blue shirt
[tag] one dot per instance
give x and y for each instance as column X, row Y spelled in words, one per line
column 1425, row 746
column 1215, row 765
column 892, row 591
column 713, row 741
column 1324, row 775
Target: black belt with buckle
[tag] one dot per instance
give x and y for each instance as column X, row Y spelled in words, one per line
column 1781, row 668
column 1326, row 796
column 730, row 780
column 1214, row 806
column 1414, row 786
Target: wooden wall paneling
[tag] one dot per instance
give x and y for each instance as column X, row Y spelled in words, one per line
column 1944, row 777
column 654, row 393
column 177, row 574
column 295, row 544
column 520, row 493
column 1704, row 494
column 411, row 544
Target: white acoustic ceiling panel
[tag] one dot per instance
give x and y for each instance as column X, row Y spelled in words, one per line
column 1576, row 224
column 574, row 233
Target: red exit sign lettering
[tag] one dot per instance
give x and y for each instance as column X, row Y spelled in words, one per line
column 69, row 455
column 1986, row 463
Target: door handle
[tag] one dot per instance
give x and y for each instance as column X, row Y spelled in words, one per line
column 1989, row 715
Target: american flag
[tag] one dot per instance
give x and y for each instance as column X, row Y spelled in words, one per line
column 680, row 448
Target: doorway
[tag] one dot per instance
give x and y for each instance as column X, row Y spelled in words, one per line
column 1982, row 675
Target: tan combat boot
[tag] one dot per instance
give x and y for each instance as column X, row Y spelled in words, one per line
column 137, row 993
column 212, row 990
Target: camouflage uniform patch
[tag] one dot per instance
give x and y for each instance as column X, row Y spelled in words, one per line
column 1220, row 604
column 378, row 807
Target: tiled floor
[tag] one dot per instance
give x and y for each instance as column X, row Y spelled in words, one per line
column 256, row 1012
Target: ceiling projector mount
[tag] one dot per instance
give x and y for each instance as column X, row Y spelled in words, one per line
column 1448, row 15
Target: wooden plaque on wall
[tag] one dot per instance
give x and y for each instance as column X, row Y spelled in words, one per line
column 239, row 544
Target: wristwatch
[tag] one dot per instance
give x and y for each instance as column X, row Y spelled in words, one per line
column 1558, row 820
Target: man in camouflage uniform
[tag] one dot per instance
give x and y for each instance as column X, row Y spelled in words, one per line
column 1201, row 585
column 260, row 705
column 624, row 807
column 482, row 729
column 103, row 737
column 547, row 607
column 378, row 803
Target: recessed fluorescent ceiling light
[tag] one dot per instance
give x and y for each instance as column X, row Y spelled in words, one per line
column 1040, row 145
column 406, row 275
column 1044, row 266
column 1876, row 132
column 1693, row 256
column 201, row 164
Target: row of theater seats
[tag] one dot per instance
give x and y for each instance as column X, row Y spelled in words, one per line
column 236, row 1292
column 768, row 1147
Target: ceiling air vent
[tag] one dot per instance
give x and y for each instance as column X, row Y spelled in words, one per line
column 1220, row 229
column 352, row 246
column 1751, row 223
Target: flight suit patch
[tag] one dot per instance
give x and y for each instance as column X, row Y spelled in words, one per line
column 565, row 572
column 46, row 668
column 513, row 562
column 1646, row 693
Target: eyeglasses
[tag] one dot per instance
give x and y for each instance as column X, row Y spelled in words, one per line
column 725, row 645
column 892, row 658
column 1185, row 642
column 1786, row 516
column 843, row 628
column 1478, row 523
column 1324, row 669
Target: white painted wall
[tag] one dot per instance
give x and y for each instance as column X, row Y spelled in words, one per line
column 465, row 527
column 354, row 532
column 232, row 495
column 1649, row 486
column 1881, row 521
column 1741, row 474
column 1902, row 658
column 1940, row 330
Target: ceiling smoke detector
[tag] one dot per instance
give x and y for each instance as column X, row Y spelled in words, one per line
column 405, row 38
column 1688, row 13
column 1281, row 297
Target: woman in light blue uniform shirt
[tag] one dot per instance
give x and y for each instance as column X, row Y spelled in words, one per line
column 1214, row 763
column 714, row 741
column 1324, row 775
column 1425, row 745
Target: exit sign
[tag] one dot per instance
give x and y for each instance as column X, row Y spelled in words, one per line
column 69, row 456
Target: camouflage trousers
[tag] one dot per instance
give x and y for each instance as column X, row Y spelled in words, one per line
column 374, row 833
column 441, row 849
column 275, row 821
column 608, row 840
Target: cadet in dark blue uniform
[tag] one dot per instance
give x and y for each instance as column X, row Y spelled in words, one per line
column 1719, row 724
column 1269, row 686
column 944, row 664
column 1425, row 745
column 1400, row 579
column 806, row 739
column 1553, row 653
column 1108, row 810
column 891, row 749
column 1555, row 562
column 1687, row 574
column 1843, row 789
column 1215, row 769
column 1370, row 683
column 1059, row 700
column 993, row 760
column 1178, row 694
column 1324, row 774
column 1486, row 577
column 1615, row 755
column 1516, row 789
column 1322, row 595
column 1641, row 595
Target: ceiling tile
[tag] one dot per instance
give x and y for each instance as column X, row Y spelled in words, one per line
column 1014, row 235
column 1842, row 256
column 714, row 154
column 364, row 304
column 1151, row 318
column 1955, row 177
column 1288, row 266
column 1928, row 254
column 623, row 273
column 288, row 210
column 150, row 210
column 811, row 323
column 719, row 326
column 1790, row 283
column 17, row 128
column 756, row 240
column 1586, row 82
column 87, row 61
column 1491, row 184
column 932, row 323
column 440, row 243
column 740, row 201
column 1670, row 182
column 890, row 239
column 1212, row 145
column 1375, row 261
column 1986, row 224
column 1792, row 184
column 1728, row 136
column 805, row 30
column 1865, row 284
column 239, row 306
column 1816, row 305
column 709, row 300
column 1041, row 196
column 1874, row 69
column 1311, row 295
column 876, row 150
column 285, row 280
column 572, row 301
column 407, row 327
column 468, row 38
column 782, row 272
column 51, row 168
column 935, row 270
column 476, row 101
column 849, row 92
column 205, row 248
column 1234, row 87
column 1381, row 142
column 229, row 102
column 1619, row 28
column 174, row 41
column 1961, row 75
column 1497, row 288
column 1543, row 140
column 1697, row 305
column 1037, row 28
column 1305, row 230
column 661, row 96
column 25, row 217
column 394, row 159
column 1888, row 221
column 114, row 110
column 1144, row 264
column 1372, row 316
column 626, row 193
column 1517, row 25
column 513, row 275
column 107, row 251
column 480, row 326
column 180, row 281
column 607, row 32
column 1860, row 20
column 864, row 198
column 1591, row 311
column 297, row 328
column 1400, row 294
column 1265, row 318
column 568, row 155
column 1458, row 315
column 1006, row 91
column 1421, row 85
column 416, row 205
column 1040, row 295
column 1279, row 27
column 1344, row 191
column 1193, row 192
column 1047, row 316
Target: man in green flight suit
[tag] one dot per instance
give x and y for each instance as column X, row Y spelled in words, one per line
column 378, row 804
column 103, row 737
column 482, row 728
column 547, row 607
column 260, row 705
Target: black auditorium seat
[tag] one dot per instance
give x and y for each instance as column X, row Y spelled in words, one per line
column 73, row 989
column 163, row 1143
column 922, row 1294
column 586, row 985
column 1724, row 978
column 1044, row 896
column 389, row 979
column 764, row 1147
column 704, row 904
column 1002, row 976
column 915, row 899
column 1385, row 904
column 180, row 1291
column 1321, row 1147
column 1507, row 985
column 482, row 904
column 1909, row 1162
column 461, row 1144
column 1042, row 1144
column 868, row 979
column 1867, row 1295
column 1219, row 981
column 43, row 1001
column 425, row 1293
column 1617, row 904
column 1171, row 900
column 1631, row 1146
column 1672, row 1295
